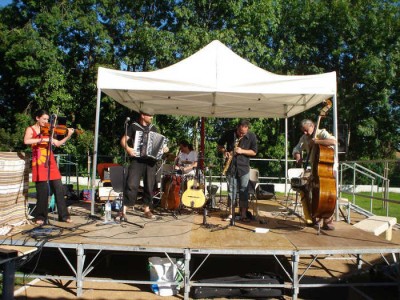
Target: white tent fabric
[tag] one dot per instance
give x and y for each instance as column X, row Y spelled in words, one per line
column 216, row 82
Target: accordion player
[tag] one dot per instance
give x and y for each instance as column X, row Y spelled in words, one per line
column 149, row 144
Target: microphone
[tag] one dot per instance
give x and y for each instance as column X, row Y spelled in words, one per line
column 53, row 120
column 127, row 120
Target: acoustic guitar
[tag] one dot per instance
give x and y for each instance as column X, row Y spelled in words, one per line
column 194, row 196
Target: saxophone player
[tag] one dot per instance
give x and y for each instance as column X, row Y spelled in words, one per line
column 237, row 146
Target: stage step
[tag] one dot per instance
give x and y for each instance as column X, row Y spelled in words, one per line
column 378, row 225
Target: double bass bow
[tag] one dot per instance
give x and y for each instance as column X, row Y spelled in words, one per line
column 323, row 182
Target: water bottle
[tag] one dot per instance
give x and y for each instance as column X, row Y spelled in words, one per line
column 155, row 289
column 107, row 212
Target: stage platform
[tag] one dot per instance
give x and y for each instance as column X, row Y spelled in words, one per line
column 288, row 248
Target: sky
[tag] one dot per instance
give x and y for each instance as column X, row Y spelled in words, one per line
column 4, row 2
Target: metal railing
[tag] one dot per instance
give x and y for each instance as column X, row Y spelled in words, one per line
column 356, row 173
column 352, row 178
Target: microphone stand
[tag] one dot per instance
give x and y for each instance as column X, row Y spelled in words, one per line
column 233, row 199
column 48, row 161
column 122, row 217
column 221, row 164
column 209, row 200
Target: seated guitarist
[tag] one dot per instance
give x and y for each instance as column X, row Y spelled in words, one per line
column 237, row 146
column 305, row 144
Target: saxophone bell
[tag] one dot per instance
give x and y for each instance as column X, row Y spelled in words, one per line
column 227, row 163
column 230, row 156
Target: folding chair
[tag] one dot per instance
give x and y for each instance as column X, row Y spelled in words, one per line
column 117, row 178
column 252, row 189
column 104, row 173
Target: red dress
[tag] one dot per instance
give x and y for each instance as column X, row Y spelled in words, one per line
column 39, row 157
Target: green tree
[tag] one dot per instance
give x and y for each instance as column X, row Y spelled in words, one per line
column 51, row 52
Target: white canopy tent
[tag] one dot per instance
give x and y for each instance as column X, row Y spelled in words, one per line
column 214, row 82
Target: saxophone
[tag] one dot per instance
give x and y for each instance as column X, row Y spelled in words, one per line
column 229, row 160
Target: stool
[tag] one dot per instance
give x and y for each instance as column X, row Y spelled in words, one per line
column 377, row 225
column 346, row 204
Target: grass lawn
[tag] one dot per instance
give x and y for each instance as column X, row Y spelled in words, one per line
column 378, row 206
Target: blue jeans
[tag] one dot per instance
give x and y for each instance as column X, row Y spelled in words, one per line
column 236, row 183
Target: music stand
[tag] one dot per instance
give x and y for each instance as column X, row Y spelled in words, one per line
column 118, row 179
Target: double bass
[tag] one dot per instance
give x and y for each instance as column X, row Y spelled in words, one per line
column 322, row 181
column 171, row 197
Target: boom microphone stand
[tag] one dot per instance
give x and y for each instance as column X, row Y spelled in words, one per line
column 212, row 190
column 121, row 209
column 49, row 151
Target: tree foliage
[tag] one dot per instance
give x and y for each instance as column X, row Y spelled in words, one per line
column 51, row 50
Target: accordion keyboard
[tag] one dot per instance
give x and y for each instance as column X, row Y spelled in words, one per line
column 137, row 145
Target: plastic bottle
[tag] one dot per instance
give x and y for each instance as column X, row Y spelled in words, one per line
column 155, row 289
column 107, row 212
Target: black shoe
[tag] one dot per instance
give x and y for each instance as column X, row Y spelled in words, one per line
column 328, row 227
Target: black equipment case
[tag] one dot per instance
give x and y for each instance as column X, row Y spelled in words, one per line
column 199, row 292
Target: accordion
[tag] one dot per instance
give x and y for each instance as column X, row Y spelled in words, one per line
column 149, row 144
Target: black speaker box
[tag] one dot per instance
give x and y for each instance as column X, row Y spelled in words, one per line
column 240, row 292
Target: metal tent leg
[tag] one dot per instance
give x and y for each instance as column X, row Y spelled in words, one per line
column 295, row 283
column 79, row 270
column 187, row 275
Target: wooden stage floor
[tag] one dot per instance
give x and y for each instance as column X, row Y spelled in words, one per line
column 186, row 229
column 188, row 234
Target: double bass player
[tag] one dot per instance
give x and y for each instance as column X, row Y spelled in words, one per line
column 312, row 136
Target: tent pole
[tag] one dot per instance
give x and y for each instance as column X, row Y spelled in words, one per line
column 96, row 137
column 336, row 154
column 286, row 153
column 202, row 144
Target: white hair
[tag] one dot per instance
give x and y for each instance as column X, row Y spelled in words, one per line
column 306, row 122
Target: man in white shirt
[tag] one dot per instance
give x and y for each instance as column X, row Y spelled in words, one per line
column 305, row 144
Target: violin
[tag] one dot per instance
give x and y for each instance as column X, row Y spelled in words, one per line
column 58, row 129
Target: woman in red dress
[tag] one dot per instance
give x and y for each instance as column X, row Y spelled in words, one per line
column 45, row 171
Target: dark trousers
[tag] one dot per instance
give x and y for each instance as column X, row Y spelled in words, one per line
column 42, row 196
column 137, row 170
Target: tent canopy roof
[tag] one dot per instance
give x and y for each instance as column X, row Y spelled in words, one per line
column 216, row 82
